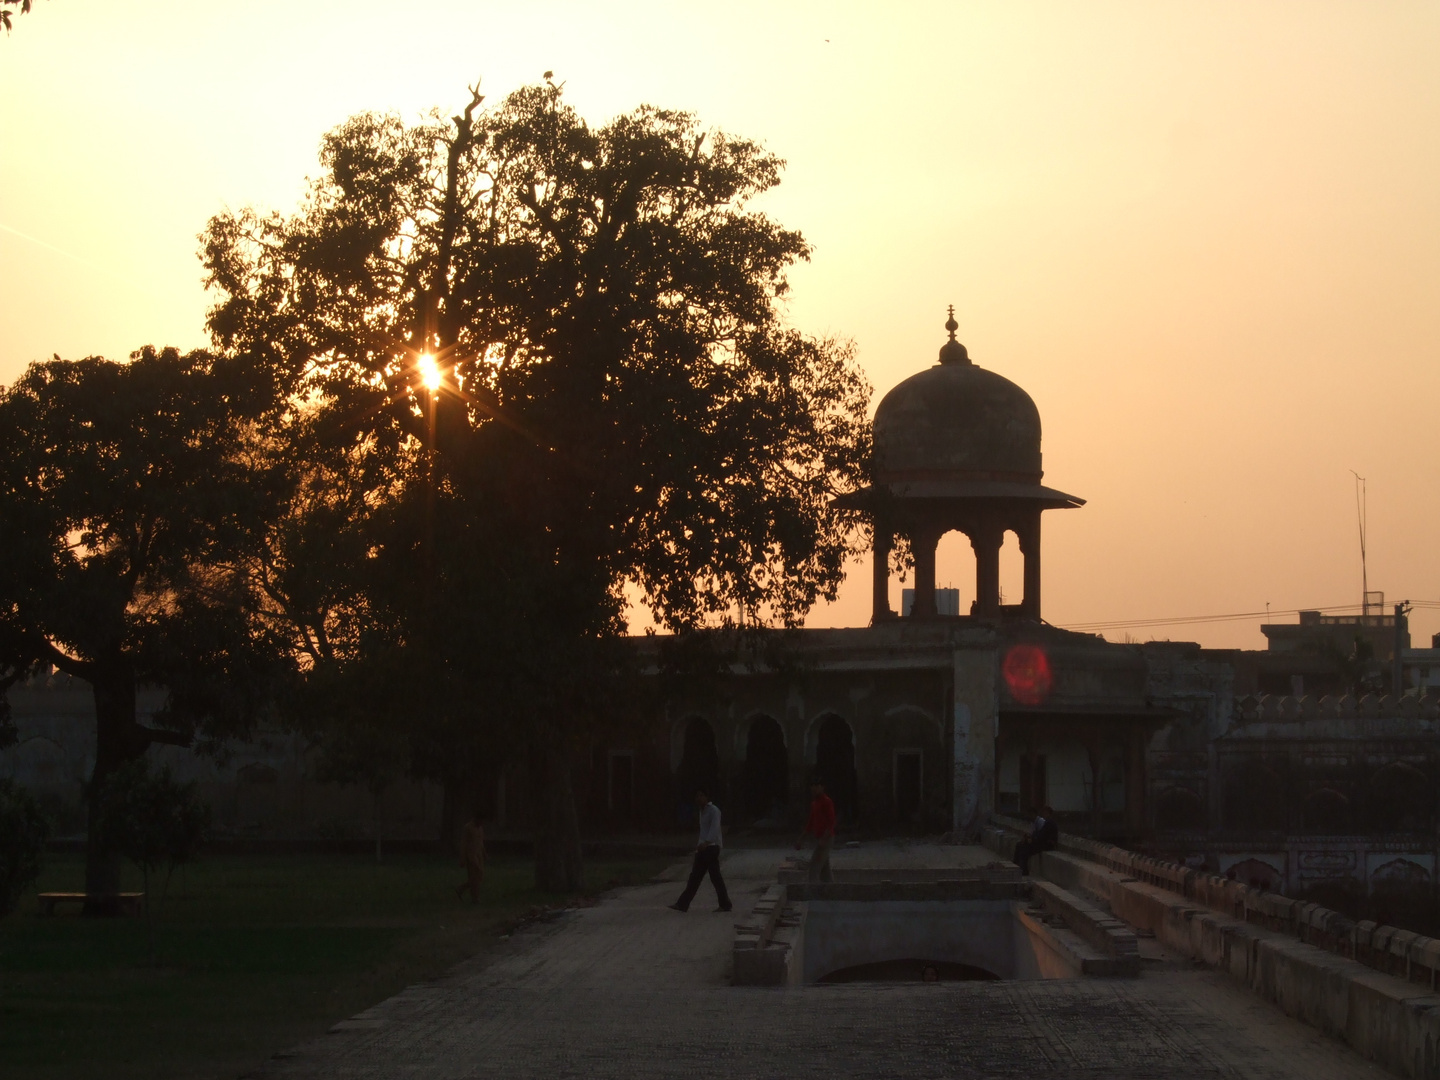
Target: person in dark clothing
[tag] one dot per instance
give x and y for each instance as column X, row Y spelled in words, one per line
column 707, row 857
column 1044, row 835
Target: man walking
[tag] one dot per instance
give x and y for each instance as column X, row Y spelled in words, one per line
column 707, row 857
column 472, row 858
column 821, row 825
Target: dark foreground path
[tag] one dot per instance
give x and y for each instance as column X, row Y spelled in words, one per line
column 632, row 991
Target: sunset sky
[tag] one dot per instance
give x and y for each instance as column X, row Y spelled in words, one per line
column 1205, row 238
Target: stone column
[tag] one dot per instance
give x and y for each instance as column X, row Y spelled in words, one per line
column 881, row 597
column 1029, row 534
column 974, row 725
column 922, row 544
column 986, row 540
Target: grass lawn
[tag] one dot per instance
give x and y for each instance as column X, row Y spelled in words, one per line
column 253, row 953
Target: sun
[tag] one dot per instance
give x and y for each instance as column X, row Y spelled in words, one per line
column 430, row 373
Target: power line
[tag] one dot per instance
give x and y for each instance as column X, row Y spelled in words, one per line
column 1237, row 616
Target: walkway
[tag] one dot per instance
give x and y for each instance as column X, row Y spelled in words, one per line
column 631, row 990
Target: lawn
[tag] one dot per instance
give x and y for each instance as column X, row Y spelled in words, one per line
column 252, row 954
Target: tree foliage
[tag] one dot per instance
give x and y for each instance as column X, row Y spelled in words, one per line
column 132, row 497
column 6, row 15
column 23, row 831
column 152, row 819
column 614, row 399
column 605, row 304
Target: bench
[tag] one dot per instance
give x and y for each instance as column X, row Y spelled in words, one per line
column 128, row 903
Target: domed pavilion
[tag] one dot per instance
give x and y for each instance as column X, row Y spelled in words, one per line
column 958, row 447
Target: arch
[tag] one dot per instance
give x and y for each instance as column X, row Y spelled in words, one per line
column 926, row 721
column 1327, row 811
column 1400, row 893
column 699, row 767
column 1012, row 570
column 1399, row 800
column 835, row 766
column 955, row 567
column 1258, row 874
column 765, row 776
column 1399, row 873
column 1179, row 809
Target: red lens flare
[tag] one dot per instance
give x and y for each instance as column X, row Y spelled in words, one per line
column 1027, row 674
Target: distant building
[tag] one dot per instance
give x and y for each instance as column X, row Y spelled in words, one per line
column 947, row 602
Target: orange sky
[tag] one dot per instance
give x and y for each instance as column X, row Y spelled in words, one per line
column 1206, row 238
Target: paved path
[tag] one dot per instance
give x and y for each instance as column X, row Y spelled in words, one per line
column 628, row 989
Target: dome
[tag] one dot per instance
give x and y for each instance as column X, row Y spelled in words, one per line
column 956, row 426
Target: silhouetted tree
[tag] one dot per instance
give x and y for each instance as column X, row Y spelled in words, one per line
column 23, row 831
column 155, row 822
column 130, row 499
column 613, row 396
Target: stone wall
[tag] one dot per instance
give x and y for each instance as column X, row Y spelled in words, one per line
column 259, row 790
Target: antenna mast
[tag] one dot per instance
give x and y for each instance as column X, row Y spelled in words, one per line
column 1360, row 513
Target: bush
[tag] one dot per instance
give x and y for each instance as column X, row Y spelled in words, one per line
column 152, row 820
column 23, row 831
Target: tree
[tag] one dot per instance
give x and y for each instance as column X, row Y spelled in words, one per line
column 155, row 822
column 580, row 330
column 23, row 831
column 129, row 502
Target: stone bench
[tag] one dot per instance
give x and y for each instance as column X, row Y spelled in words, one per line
column 127, row 903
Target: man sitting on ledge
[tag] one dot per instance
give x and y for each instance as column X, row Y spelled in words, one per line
column 1044, row 835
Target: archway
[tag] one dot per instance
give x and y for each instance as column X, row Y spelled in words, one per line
column 766, row 781
column 835, row 767
column 699, row 767
column 1012, row 571
column 955, row 569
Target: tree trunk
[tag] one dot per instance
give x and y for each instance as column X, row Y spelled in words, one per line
column 558, row 866
column 377, row 796
column 116, row 743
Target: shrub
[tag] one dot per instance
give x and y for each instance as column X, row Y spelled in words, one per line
column 23, row 831
column 153, row 820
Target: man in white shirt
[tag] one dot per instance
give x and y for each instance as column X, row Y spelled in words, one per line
column 707, row 857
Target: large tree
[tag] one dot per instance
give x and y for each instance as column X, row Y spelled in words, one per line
column 580, row 329
column 129, row 497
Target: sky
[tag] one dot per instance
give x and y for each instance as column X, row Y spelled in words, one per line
column 1204, row 238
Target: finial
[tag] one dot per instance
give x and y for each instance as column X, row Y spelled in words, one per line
column 952, row 352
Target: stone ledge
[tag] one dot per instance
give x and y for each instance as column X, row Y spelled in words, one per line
column 1383, row 1017
column 1074, row 950
column 1109, row 935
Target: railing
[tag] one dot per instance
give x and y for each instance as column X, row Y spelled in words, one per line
column 1403, row 953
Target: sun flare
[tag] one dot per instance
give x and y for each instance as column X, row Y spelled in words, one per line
column 430, row 373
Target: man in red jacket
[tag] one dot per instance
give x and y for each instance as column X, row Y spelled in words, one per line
column 821, row 826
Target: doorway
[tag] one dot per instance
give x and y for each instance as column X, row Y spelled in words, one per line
column 907, row 788
column 835, row 768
